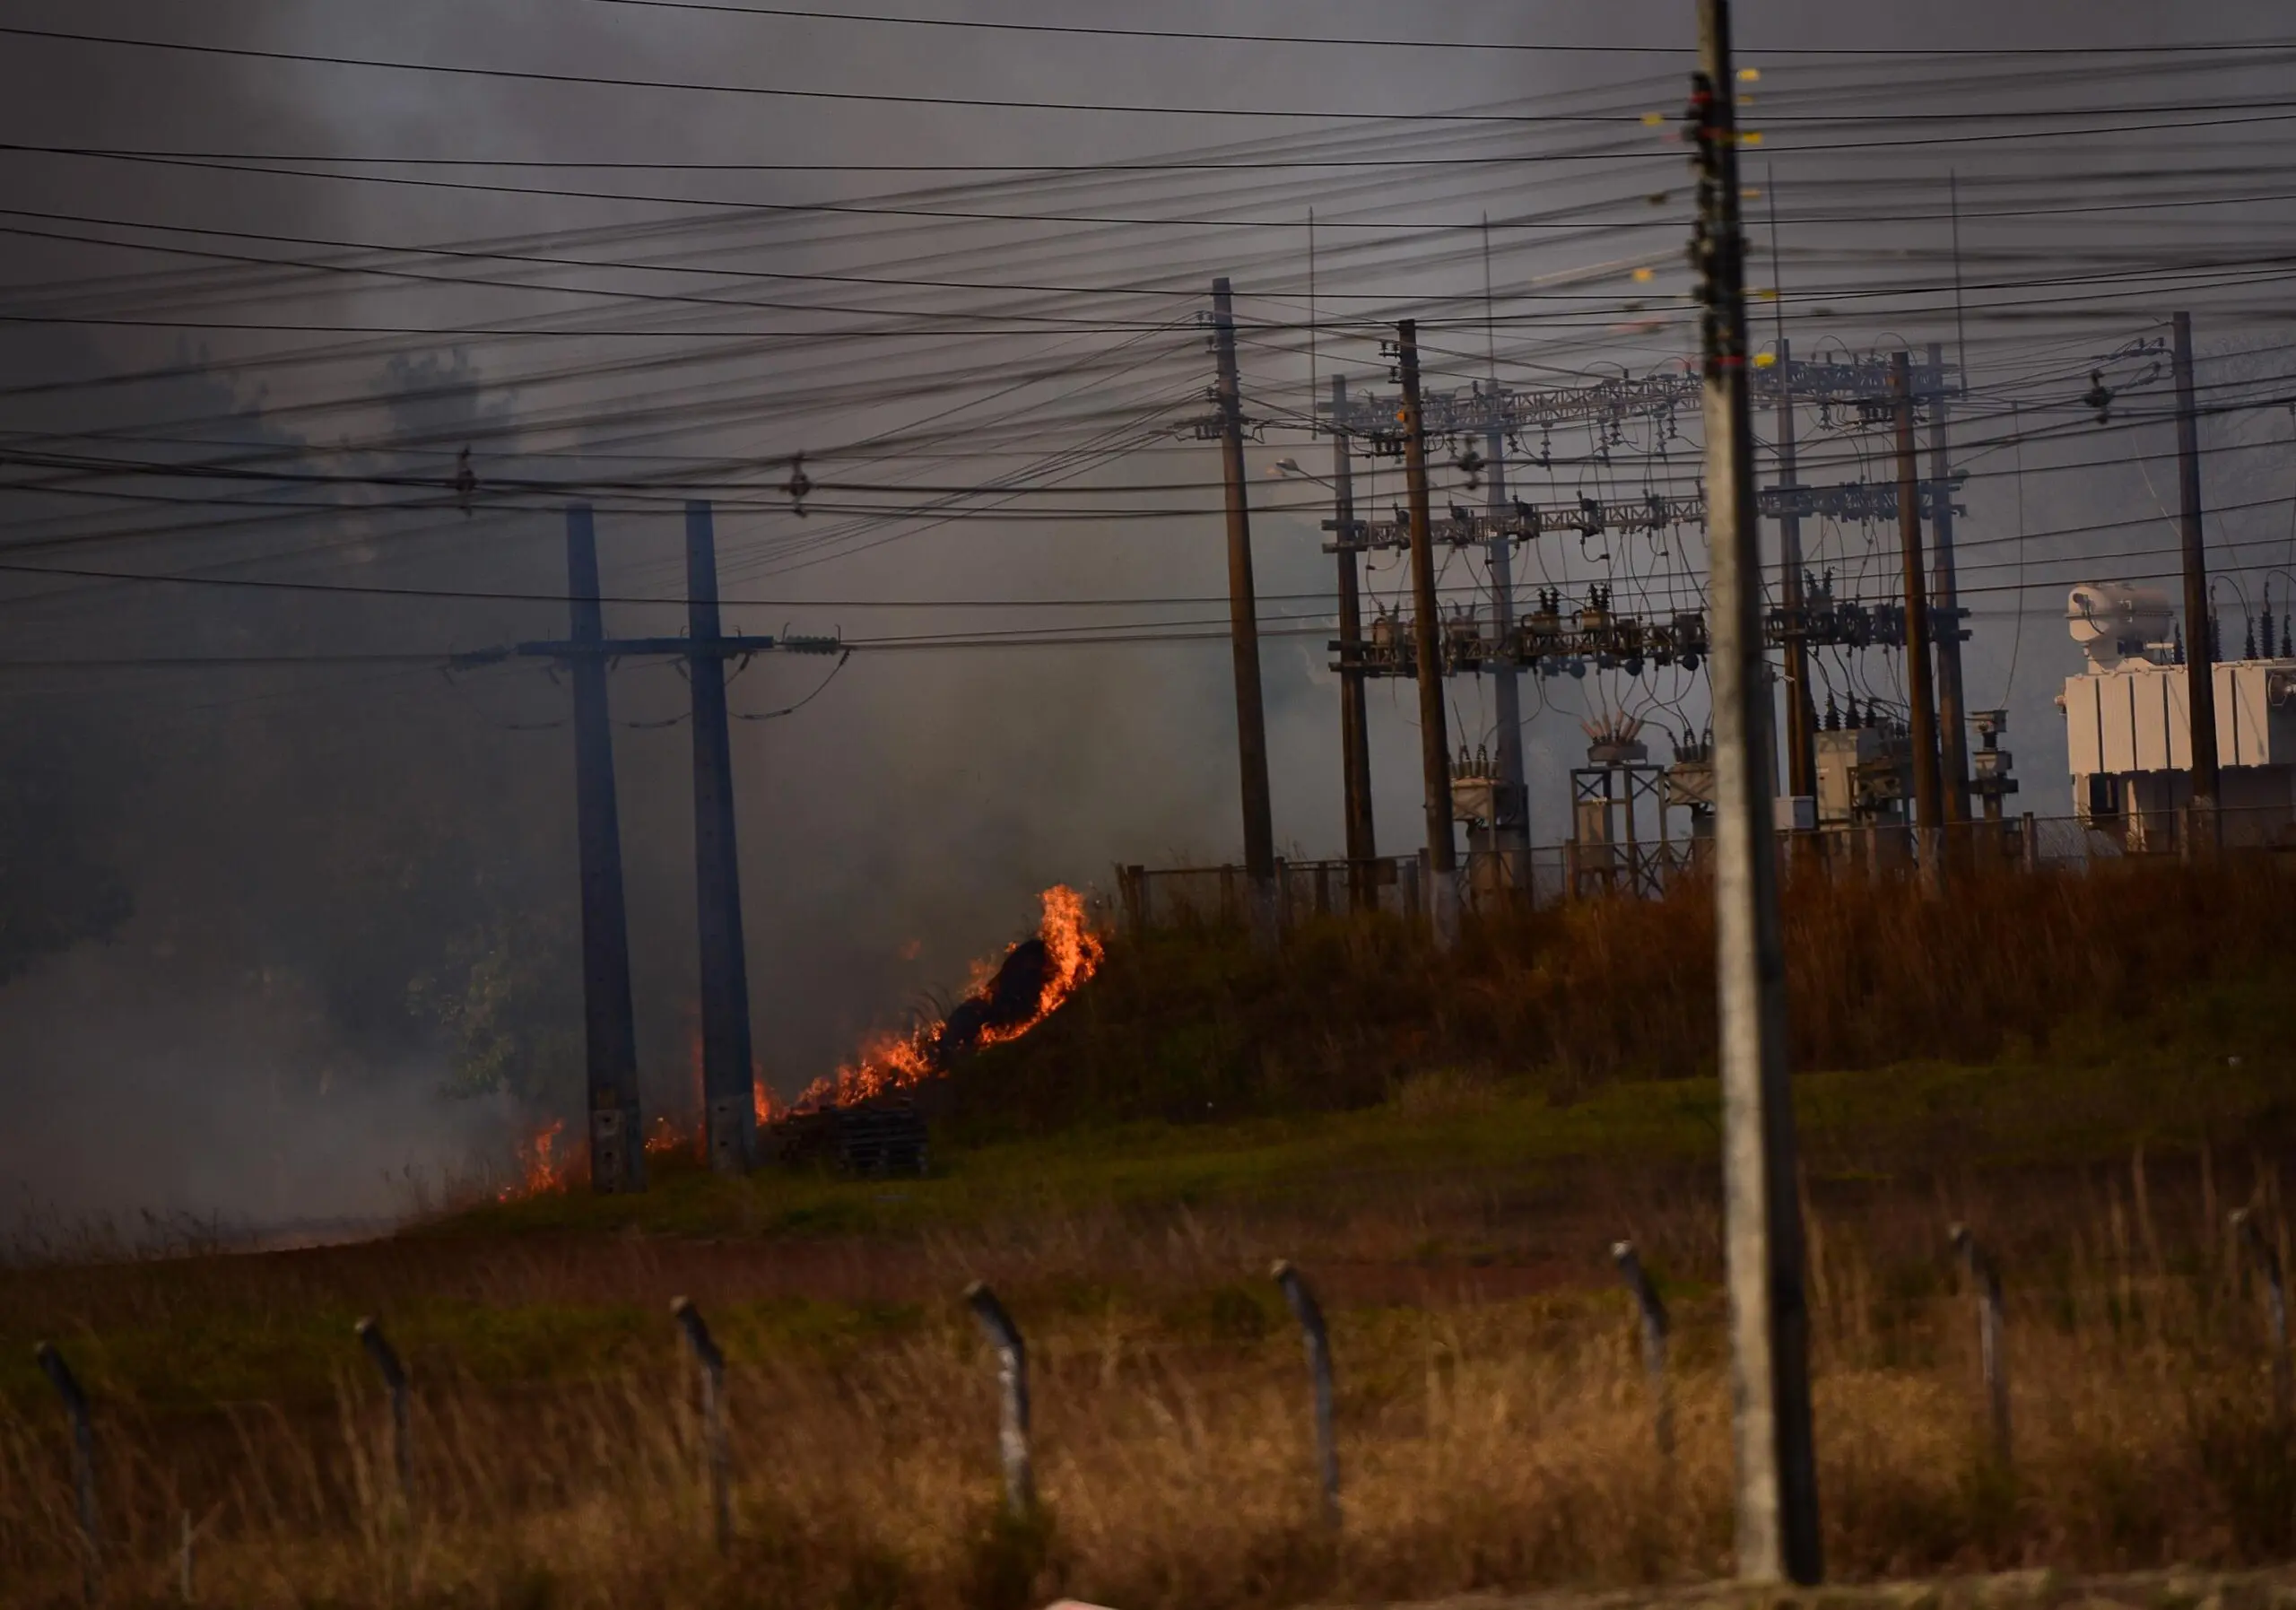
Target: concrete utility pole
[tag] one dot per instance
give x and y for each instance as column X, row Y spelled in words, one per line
column 1776, row 1470
column 1928, row 790
column 2200, row 656
column 1243, row 624
column 1511, row 833
column 1801, row 714
column 609, row 1020
column 1944, row 596
column 1354, row 728
column 729, row 1112
column 1427, row 641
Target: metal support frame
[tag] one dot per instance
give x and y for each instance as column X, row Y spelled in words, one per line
column 394, row 1381
column 1992, row 1361
column 83, row 1463
column 1316, row 1338
column 1657, row 1329
column 1013, row 1399
column 717, row 1453
column 1354, row 724
column 2200, row 649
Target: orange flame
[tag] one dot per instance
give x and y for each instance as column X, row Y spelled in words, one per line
column 538, row 1170
column 895, row 1061
column 888, row 1062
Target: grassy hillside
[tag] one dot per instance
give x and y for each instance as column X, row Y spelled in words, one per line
column 2089, row 1074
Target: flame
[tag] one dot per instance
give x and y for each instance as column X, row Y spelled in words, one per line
column 538, row 1170
column 896, row 1061
column 888, row 1062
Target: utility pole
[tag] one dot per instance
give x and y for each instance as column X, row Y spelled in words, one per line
column 1928, row 809
column 1770, row 1324
column 1801, row 715
column 1427, row 638
column 609, row 1020
column 1243, row 624
column 1944, row 596
column 1354, row 730
column 729, row 1112
column 1511, row 831
column 2200, row 646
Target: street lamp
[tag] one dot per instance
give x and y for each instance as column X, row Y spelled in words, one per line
column 1288, row 469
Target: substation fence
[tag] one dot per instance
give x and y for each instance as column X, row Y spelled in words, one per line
column 401, row 1497
column 1158, row 898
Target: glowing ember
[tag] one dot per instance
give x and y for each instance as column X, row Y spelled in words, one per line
column 539, row 1169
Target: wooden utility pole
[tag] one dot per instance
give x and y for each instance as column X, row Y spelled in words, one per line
column 1243, row 623
column 1945, row 599
column 1511, row 831
column 1922, row 719
column 1770, row 1324
column 2200, row 637
column 609, row 1020
column 1354, row 730
column 1427, row 641
column 729, row 1111
column 1801, row 715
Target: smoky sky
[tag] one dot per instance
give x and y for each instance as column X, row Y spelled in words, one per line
column 308, row 856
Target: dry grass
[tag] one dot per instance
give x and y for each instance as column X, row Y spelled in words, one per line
column 1486, row 1444
column 1187, row 1025
column 1496, row 1429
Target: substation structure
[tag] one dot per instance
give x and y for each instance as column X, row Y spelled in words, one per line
column 1842, row 768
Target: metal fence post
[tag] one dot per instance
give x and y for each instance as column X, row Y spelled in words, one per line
column 83, row 1460
column 1012, row 1384
column 716, row 1452
column 1656, row 1329
column 394, row 1374
column 1985, row 1282
column 1317, row 1340
column 2275, row 1308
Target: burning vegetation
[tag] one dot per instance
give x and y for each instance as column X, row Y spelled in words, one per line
column 1003, row 1000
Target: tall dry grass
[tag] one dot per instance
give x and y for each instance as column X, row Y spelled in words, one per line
column 1180, row 1025
column 1484, row 1444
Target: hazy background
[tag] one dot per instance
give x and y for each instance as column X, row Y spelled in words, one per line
column 272, row 936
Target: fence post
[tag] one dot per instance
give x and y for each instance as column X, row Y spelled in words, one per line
column 2029, row 848
column 1985, row 1282
column 394, row 1374
column 1012, row 1412
column 712, row 1365
column 83, row 1460
column 1317, row 1340
column 2275, row 1307
column 1656, row 1329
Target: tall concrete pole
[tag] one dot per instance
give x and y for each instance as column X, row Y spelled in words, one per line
column 1922, row 720
column 1770, row 1325
column 1354, row 730
column 1801, row 714
column 1427, row 640
column 1514, row 839
column 1243, row 624
column 730, row 1114
column 609, row 1020
column 1944, row 594
column 2200, row 644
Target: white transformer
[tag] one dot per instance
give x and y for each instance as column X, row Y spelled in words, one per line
column 2129, row 730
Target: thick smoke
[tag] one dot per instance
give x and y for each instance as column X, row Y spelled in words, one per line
column 268, row 930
